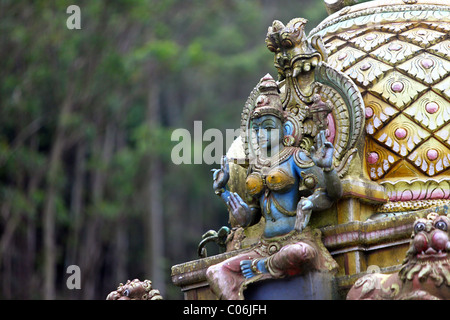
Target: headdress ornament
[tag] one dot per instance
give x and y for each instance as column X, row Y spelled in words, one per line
column 268, row 101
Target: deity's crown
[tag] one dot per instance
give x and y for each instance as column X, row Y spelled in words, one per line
column 268, row 101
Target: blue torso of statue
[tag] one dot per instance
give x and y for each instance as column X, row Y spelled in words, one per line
column 279, row 188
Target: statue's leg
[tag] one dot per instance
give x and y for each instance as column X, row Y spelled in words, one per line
column 225, row 279
column 292, row 259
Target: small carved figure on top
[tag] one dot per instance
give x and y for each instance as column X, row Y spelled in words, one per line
column 284, row 185
column 319, row 111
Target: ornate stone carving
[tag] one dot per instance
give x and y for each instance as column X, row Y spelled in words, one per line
column 220, row 237
column 425, row 273
column 397, row 53
column 303, row 73
column 383, row 66
column 284, row 185
column 135, row 290
column 317, row 106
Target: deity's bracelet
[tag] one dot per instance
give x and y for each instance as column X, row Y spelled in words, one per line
column 219, row 191
column 254, row 266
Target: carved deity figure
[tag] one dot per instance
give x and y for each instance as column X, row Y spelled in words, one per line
column 135, row 290
column 284, row 185
column 319, row 111
column 425, row 273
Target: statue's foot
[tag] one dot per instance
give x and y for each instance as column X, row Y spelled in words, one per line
column 251, row 268
column 246, row 268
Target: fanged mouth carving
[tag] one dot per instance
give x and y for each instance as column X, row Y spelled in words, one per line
column 295, row 54
column 304, row 65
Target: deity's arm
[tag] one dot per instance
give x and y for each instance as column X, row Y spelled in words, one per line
column 220, row 180
column 322, row 181
column 319, row 200
column 328, row 190
column 333, row 183
column 245, row 214
column 322, row 156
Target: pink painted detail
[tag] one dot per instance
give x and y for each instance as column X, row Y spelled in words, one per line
column 370, row 37
column 369, row 112
column 432, row 154
column 331, row 130
column 439, row 241
column 406, row 195
column 342, row 56
column 421, row 194
column 395, row 47
column 397, row 86
column 365, row 66
column 420, row 242
column 416, row 194
column 427, row 63
column 400, row 133
column 437, row 194
column 431, row 107
column 370, row 235
column 373, row 158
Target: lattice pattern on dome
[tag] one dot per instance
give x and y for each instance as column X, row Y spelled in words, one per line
column 402, row 70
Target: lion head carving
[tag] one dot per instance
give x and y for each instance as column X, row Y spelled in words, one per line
column 427, row 264
column 425, row 272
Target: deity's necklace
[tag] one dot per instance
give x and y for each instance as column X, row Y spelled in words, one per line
column 273, row 161
column 263, row 166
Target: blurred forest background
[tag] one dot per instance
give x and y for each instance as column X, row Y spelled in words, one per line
column 86, row 118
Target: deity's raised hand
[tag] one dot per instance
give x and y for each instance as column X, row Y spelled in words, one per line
column 239, row 209
column 304, row 210
column 322, row 152
column 222, row 175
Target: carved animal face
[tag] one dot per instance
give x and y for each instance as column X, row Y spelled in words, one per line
column 428, row 257
column 135, row 290
column 431, row 238
column 294, row 53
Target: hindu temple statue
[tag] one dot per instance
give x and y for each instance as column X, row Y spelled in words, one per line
column 299, row 136
column 342, row 166
column 285, row 185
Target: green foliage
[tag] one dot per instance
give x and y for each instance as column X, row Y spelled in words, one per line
column 75, row 123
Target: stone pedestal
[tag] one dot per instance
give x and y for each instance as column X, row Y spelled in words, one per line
column 311, row 286
column 358, row 247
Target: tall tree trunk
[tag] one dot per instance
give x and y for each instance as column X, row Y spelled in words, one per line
column 154, row 225
column 76, row 207
column 76, row 200
column 5, row 255
column 12, row 221
column 120, row 252
column 51, row 194
column 30, row 248
column 93, row 246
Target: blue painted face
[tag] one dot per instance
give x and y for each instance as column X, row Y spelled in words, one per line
column 269, row 131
